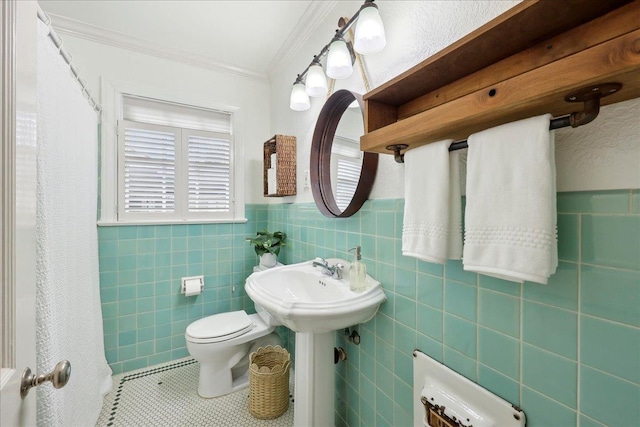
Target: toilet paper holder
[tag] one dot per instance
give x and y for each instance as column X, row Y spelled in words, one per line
column 187, row 285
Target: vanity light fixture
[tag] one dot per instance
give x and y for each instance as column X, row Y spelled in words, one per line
column 369, row 38
column 316, row 84
column 339, row 63
column 299, row 100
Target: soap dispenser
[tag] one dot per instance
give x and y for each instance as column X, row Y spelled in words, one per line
column 357, row 272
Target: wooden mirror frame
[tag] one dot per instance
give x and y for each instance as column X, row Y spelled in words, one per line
column 320, row 169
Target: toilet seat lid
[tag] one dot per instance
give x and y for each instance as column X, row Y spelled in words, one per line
column 231, row 324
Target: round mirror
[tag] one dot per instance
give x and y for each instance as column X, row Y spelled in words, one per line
column 341, row 175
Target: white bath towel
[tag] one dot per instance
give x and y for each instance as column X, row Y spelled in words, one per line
column 510, row 216
column 431, row 229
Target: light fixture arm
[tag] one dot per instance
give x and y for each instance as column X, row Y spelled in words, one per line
column 314, row 61
column 340, row 32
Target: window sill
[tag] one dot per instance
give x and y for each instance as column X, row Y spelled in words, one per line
column 172, row 222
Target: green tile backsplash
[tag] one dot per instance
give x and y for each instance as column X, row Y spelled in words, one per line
column 619, row 397
column 543, row 411
column 550, row 374
column 500, row 352
column 564, row 352
column 612, row 241
column 144, row 313
column 551, row 328
column 500, row 312
column 499, row 384
column 611, row 347
column 594, row 202
column 611, row 294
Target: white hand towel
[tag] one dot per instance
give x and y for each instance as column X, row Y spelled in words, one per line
column 510, row 216
column 431, row 228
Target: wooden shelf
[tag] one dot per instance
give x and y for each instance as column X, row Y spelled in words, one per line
column 284, row 147
column 519, row 65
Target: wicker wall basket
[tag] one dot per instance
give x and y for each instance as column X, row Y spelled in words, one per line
column 285, row 147
column 269, row 382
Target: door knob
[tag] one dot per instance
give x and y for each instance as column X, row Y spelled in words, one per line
column 59, row 377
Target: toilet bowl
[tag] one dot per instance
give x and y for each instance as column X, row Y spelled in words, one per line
column 222, row 344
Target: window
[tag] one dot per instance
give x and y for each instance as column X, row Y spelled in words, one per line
column 175, row 163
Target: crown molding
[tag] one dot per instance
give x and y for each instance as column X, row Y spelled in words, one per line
column 71, row 27
column 316, row 13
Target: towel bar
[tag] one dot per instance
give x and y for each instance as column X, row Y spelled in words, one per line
column 590, row 95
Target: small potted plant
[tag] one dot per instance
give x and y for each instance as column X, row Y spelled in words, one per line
column 267, row 246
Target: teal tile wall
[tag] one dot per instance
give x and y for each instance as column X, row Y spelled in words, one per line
column 144, row 313
column 564, row 352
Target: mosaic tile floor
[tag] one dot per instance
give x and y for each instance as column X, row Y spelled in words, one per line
column 166, row 395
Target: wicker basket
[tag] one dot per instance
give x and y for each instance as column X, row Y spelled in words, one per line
column 285, row 147
column 269, row 382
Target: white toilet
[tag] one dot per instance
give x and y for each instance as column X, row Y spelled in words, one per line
column 222, row 344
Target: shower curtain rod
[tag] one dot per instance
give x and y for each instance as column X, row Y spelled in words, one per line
column 57, row 41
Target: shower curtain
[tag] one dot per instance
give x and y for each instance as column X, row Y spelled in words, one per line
column 68, row 311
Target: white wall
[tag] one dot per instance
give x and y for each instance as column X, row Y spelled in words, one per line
column 603, row 155
column 250, row 95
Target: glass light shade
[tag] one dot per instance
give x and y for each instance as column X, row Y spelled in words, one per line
column 316, row 82
column 339, row 60
column 299, row 99
column 369, row 36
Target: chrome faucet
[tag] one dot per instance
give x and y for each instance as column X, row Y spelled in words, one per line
column 334, row 271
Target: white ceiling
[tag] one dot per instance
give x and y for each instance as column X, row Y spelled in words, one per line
column 244, row 34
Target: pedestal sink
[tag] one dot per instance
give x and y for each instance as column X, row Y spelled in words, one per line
column 313, row 305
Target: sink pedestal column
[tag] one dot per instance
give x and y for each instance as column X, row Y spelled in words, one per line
column 314, row 380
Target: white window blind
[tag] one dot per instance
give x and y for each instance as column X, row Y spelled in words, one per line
column 149, row 170
column 144, row 110
column 175, row 162
column 347, row 180
column 209, row 174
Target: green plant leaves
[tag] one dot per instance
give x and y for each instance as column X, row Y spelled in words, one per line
column 266, row 242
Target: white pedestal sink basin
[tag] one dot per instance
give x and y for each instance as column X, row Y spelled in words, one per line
column 313, row 305
column 304, row 299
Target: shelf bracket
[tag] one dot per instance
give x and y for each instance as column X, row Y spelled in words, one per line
column 396, row 148
column 590, row 95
